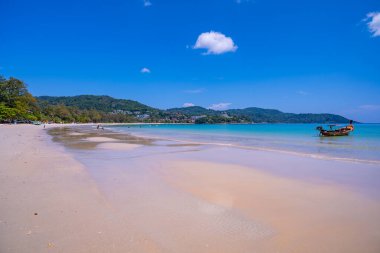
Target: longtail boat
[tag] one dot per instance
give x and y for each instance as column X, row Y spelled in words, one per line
column 333, row 131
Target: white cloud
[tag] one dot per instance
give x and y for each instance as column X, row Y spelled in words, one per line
column 220, row 106
column 147, row 3
column 188, row 105
column 215, row 43
column 145, row 70
column 374, row 23
column 195, row 91
column 370, row 107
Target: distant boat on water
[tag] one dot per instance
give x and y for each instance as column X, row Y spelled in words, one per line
column 334, row 131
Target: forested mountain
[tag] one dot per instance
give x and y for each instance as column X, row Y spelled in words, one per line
column 258, row 115
column 16, row 103
column 99, row 103
column 193, row 111
column 273, row 116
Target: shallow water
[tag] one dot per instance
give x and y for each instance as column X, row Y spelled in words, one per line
column 149, row 188
column 363, row 145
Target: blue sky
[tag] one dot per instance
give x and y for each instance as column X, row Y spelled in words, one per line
column 295, row 56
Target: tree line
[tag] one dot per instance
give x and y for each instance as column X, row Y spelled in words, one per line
column 17, row 104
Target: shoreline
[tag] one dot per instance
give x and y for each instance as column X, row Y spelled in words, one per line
column 170, row 123
column 258, row 148
column 96, row 191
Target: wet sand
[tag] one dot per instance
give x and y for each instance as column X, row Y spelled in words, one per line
column 306, row 217
column 101, row 191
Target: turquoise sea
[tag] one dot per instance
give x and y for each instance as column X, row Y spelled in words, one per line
column 363, row 145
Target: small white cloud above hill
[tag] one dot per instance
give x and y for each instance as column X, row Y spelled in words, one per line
column 145, row 71
column 188, row 105
column 215, row 43
column 373, row 23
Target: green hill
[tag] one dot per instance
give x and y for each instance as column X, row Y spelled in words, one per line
column 260, row 115
column 256, row 115
column 192, row 111
column 99, row 103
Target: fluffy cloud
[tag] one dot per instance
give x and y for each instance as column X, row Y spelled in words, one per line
column 188, row 105
column 220, row 106
column 215, row 43
column 147, row 3
column 374, row 23
column 145, row 70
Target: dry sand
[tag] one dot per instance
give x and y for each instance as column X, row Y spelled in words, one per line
column 49, row 203
column 158, row 201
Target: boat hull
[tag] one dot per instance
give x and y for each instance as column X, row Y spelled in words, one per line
column 334, row 133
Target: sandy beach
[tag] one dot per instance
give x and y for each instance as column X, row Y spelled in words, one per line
column 49, row 202
column 79, row 189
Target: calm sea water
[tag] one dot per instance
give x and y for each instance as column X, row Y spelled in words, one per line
column 363, row 145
